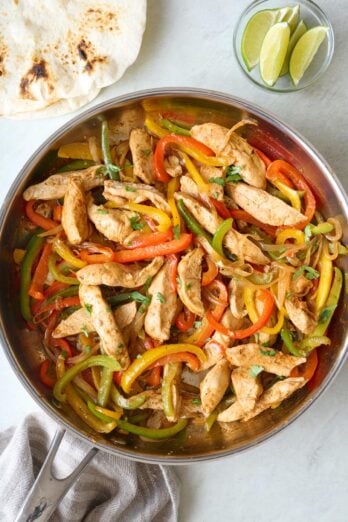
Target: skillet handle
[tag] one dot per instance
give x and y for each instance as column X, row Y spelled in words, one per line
column 47, row 491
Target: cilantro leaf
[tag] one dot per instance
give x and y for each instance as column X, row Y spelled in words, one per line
column 309, row 273
column 255, row 370
column 140, row 298
column 146, row 152
column 268, row 352
column 196, row 400
column 87, row 349
column 88, row 307
column 197, row 324
column 135, row 223
column 102, row 211
column 326, row 313
column 176, row 231
column 127, row 188
column 160, row 297
column 84, row 330
column 218, row 181
column 113, row 171
column 233, row 174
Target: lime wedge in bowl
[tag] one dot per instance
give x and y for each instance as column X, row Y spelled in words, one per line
column 290, row 15
column 273, row 52
column 254, row 34
column 294, row 38
column 304, row 52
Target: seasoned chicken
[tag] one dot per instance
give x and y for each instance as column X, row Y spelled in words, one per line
column 115, row 224
column 246, row 387
column 299, row 315
column 208, row 219
column 232, row 413
column 55, row 186
column 301, row 286
column 141, row 149
column 214, row 386
column 188, row 186
column 189, row 285
column 117, row 274
column 121, row 126
column 226, row 267
column 263, row 206
column 232, row 146
column 237, row 305
column 272, row 361
column 162, row 309
column 81, row 318
column 241, row 246
column 74, row 215
column 172, row 166
column 136, row 192
column 105, row 325
column 187, row 407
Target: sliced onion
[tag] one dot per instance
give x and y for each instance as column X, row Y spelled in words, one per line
column 52, row 231
column 338, row 230
column 93, row 149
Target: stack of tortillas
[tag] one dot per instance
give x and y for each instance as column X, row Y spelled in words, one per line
column 56, row 55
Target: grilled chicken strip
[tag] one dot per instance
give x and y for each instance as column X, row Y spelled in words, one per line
column 272, row 361
column 263, row 206
column 105, row 325
column 162, row 309
column 237, row 305
column 55, row 186
column 141, row 149
column 113, row 223
column 136, row 192
column 187, row 407
column 214, row 385
column 246, row 387
column 207, row 218
column 229, row 144
column 299, row 315
column 117, row 274
column 79, row 319
column 189, row 287
column 74, row 215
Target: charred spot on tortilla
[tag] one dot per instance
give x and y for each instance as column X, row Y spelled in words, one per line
column 87, row 57
column 37, row 72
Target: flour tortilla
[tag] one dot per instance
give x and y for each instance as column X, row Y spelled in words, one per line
column 64, row 49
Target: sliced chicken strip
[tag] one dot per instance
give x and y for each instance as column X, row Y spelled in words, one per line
column 173, row 166
column 209, row 173
column 136, row 192
column 240, row 245
column 117, row 274
column 141, row 149
column 105, row 325
column 301, row 286
column 79, row 319
column 214, row 386
column 247, row 388
column 226, row 267
column 188, row 186
column 232, row 413
column 263, row 206
column 162, row 309
column 299, row 315
column 208, row 219
column 229, row 144
column 55, row 186
column 189, row 286
column 237, row 305
column 188, row 408
column 272, row 361
column 74, row 214
column 113, row 223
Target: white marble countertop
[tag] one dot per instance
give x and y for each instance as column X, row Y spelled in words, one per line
column 301, row 473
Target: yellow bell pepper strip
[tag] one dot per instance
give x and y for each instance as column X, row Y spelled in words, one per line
column 174, row 128
column 79, row 151
column 139, row 365
column 57, row 275
column 170, row 371
column 154, row 128
column 290, row 233
column 290, row 194
column 129, row 403
column 327, row 311
column 113, row 171
column 94, row 360
column 18, row 255
column 76, row 165
column 32, row 252
column 101, row 415
column 326, row 274
column 219, row 236
column 192, row 169
column 152, row 433
column 105, row 386
column 163, row 220
column 191, row 222
column 65, row 253
column 112, row 414
column 173, row 186
column 248, row 296
column 81, row 409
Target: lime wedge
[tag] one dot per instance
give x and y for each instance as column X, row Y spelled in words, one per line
column 273, row 52
column 290, row 15
column 294, row 38
column 305, row 50
column 254, row 34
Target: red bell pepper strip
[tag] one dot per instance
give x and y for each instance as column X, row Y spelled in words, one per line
column 174, row 139
column 222, row 210
column 280, row 169
column 45, row 378
column 150, row 239
column 186, row 357
column 149, row 252
column 55, row 287
column 100, row 254
column 57, row 213
column 37, row 219
column 37, row 283
column 117, row 376
column 185, row 320
column 245, row 216
column 308, row 368
column 59, row 304
column 63, row 345
column 210, row 274
column 263, row 156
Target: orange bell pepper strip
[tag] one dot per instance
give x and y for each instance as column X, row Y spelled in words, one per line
column 245, row 216
column 101, row 254
column 307, row 370
column 150, row 239
column 186, row 357
column 57, row 213
column 37, row 283
column 262, row 156
column 210, row 274
column 45, row 378
column 149, row 252
column 60, row 304
column 37, row 219
column 154, row 379
column 185, row 320
column 173, row 262
column 221, row 208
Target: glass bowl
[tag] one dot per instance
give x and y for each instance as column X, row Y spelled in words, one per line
column 312, row 15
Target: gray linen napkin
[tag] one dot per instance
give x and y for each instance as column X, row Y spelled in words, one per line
column 109, row 489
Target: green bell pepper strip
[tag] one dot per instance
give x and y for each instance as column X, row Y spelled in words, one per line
column 94, row 360
column 210, row 420
column 330, row 305
column 191, row 222
column 80, row 408
column 131, row 403
column 116, row 300
column 150, row 433
column 66, row 292
column 76, row 165
column 98, row 414
column 309, row 343
column 287, row 340
column 139, row 417
column 219, row 236
column 170, row 371
column 111, row 169
column 322, row 228
column 105, row 387
column 32, row 251
column 57, row 275
column 173, row 127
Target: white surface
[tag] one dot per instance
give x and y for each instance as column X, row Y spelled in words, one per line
column 301, row 473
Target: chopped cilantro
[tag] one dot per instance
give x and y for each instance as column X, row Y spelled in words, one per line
column 218, row 181
column 326, row 312
column 266, row 345
column 308, row 271
column 109, row 170
column 269, row 352
column 84, row 330
column 196, row 400
column 99, row 173
column 102, row 211
column 233, row 174
column 197, row 324
column 215, row 195
column 147, row 284
column 255, row 370
column 140, row 298
column 160, row 297
column 64, row 354
column 88, row 307
column 135, row 223
column 176, row 231
column 188, row 286
column 127, row 188
column 146, row 152
column 87, row 349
